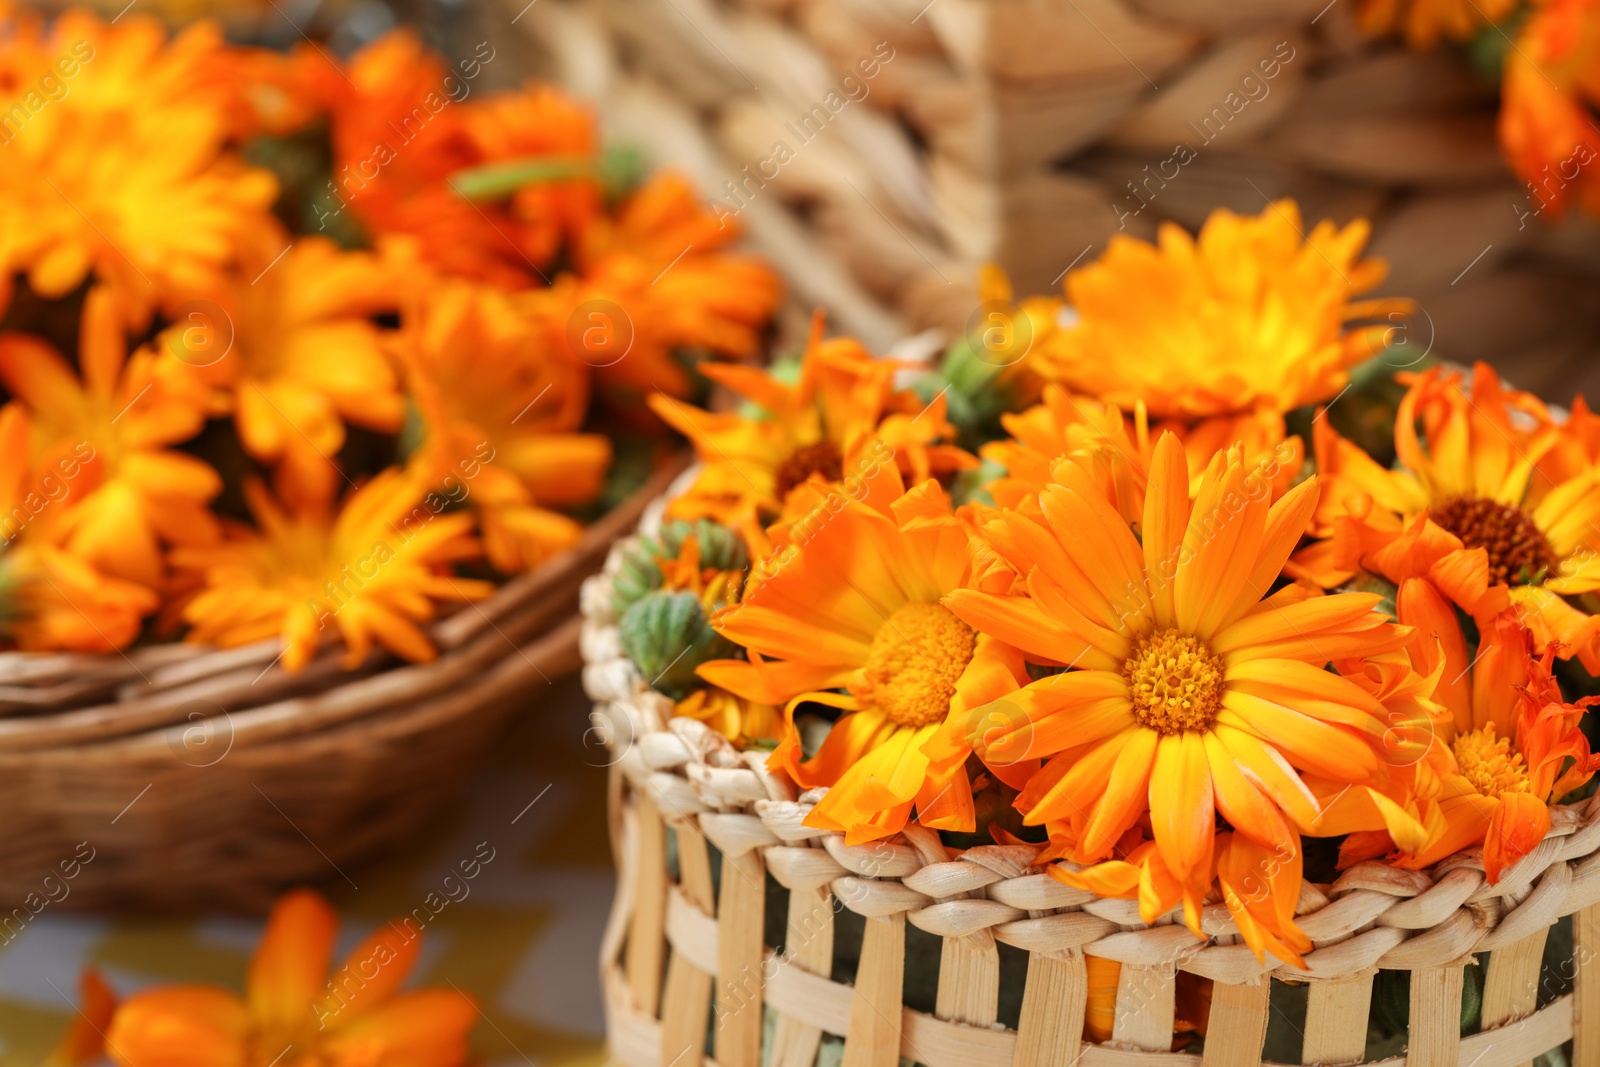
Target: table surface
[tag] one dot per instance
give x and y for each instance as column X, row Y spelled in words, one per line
column 523, row 940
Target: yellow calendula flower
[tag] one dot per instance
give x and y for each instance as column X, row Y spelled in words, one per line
column 855, row 607
column 371, row 571
column 840, row 420
column 288, row 345
column 732, row 716
column 1490, row 502
column 1186, row 690
column 128, row 493
column 500, row 405
column 117, row 164
column 1247, row 319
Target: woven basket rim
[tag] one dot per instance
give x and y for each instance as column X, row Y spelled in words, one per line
column 157, row 690
column 1374, row 916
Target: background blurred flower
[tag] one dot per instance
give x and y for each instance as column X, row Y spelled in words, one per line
column 371, row 571
column 498, row 404
column 294, row 1012
column 129, row 493
column 126, row 176
column 303, row 355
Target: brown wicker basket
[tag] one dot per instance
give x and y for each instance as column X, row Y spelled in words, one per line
column 677, row 782
column 198, row 777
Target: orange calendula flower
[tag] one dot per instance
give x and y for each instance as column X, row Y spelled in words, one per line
column 1242, row 324
column 840, row 420
column 84, row 1041
column 854, row 606
column 290, row 348
column 373, row 571
column 129, row 493
column 125, row 176
column 404, row 125
column 1513, row 745
column 1471, row 509
column 499, row 404
column 295, row 1013
column 1114, row 450
column 1424, row 22
column 1186, row 691
column 54, row 601
column 661, row 262
column 1549, row 92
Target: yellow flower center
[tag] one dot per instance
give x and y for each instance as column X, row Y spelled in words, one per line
column 822, row 458
column 1489, row 764
column 917, row 656
column 1175, row 681
column 1518, row 550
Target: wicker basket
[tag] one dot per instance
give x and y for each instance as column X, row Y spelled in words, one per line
column 196, row 777
column 1029, row 132
column 675, row 782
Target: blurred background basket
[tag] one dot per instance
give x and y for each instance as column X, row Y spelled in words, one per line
column 1028, row 132
column 245, row 778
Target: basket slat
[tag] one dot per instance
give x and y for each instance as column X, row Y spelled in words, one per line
column 1238, row 1024
column 1050, row 1029
column 1336, row 1020
column 1586, row 992
column 1511, row 988
column 741, row 918
column 873, row 1039
column 969, row 980
column 647, row 943
column 1436, row 1017
column 808, row 942
column 686, row 1004
column 1146, row 1004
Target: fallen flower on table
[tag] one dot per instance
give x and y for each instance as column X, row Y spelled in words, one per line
column 294, row 1012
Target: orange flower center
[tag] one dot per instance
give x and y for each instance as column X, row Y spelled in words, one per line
column 822, row 458
column 917, row 656
column 1518, row 551
column 1489, row 763
column 1175, row 682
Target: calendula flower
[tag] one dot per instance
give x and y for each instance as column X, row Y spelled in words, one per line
column 660, row 260
column 733, row 717
column 128, row 493
column 1259, row 884
column 840, row 420
column 1423, row 22
column 50, row 600
column 295, row 1013
column 1115, row 450
column 1396, row 810
column 125, row 175
column 851, row 619
column 404, row 126
column 1187, row 691
column 1514, row 745
column 1247, row 320
column 1261, row 888
column 499, row 403
column 372, row 571
column 1470, row 509
column 84, row 1041
column 1549, row 92
column 290, row 348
